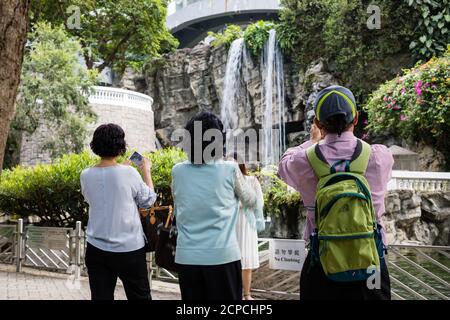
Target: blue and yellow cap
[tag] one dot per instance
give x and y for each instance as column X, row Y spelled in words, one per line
column 335, row 100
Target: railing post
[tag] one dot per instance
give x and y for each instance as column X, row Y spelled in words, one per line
column 19, row 246
column 77, row 249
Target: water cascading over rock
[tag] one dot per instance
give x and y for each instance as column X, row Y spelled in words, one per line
column 232, row 83
column 272, row 138
column 274, row 101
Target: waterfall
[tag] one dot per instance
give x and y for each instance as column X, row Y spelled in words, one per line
column 273, row 97
column 272, row 142
column 232, row 83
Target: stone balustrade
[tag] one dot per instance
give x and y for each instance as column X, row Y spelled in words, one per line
column 419, row 181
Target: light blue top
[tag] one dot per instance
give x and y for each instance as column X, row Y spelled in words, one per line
column 206, row 199
column 114, row 195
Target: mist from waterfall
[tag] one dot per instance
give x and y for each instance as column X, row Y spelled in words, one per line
column 273, row 100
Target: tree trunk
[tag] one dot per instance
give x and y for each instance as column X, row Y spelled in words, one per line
column 13, row 34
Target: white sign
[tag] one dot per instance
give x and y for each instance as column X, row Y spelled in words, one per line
column 47, row 237
column 287, row 254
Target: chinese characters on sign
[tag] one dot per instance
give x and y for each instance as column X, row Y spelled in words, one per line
column 49, row 238
column 286, row 254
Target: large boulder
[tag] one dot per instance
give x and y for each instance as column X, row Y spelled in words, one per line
column 392, row 203
column 436, row 206
column 192, row 79
column 424, row 232
column 410, row 208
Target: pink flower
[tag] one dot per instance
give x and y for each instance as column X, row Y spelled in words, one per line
column 403, row 117
column 389, row 106
column 365, row 122
column 396, row 107
column 385, row 99
column 418, row 88
column 403, row 91
column 433, row 86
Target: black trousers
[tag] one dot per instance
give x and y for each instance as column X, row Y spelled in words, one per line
column 210, row 283
column 315, row 285
column 105, row 267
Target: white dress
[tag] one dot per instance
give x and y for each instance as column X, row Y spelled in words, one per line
column 247, row 235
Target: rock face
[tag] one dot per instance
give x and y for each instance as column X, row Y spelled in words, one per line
column 189, row 80
column 422, row 217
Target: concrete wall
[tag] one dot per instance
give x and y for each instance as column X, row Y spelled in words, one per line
column 137, row 123
column 206, row 9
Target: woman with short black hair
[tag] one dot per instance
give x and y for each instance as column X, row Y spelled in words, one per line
column 116, row 241
column 206, row 191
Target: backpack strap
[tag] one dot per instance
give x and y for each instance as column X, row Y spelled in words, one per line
column 317, row 161
column 360, row 158
column 357, row 164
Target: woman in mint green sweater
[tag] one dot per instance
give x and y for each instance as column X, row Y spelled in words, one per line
column 206, row 197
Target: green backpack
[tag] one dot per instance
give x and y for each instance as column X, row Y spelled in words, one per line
column 347, row 240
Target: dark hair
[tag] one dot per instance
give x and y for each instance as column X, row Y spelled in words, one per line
column 336, row 124
column 208, row 121
column 108, row 141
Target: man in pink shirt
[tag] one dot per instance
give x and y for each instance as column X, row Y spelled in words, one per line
column 333, row 130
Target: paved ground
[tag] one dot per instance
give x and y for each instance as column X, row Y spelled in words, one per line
column 33, row 284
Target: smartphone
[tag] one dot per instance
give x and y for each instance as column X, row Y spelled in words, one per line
column 136, row 158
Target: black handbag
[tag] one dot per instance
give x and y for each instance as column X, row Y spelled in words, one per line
column 167, row 243
column 150, row 219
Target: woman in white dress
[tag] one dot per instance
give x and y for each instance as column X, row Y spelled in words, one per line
column 250, row 220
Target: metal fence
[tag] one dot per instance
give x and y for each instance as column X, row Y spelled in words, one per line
column 55, row 249
column 416, row 271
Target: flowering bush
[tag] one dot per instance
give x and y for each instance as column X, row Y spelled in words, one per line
column 416, row 105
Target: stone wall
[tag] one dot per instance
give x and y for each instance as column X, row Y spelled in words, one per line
column 411, row 217
column 189, row 80
column 137, row 123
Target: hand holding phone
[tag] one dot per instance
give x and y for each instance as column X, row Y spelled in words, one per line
column 137, row 159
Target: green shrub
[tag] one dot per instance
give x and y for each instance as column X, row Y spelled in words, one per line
column 416, row 105
column 256, row 35
column 277, row 194
column 337, row 32
column 231, row 33
column 432, row 34
column 52, row 191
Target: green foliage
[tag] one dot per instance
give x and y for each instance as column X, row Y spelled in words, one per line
column 52, row 191
column 231, row 33
column 432, row 34
column 416, row 105
column 120, row 33
column 301, row 28
column 256, row 35
column 277, row 194
column 162, row 164
column 337, row 31
column 53, row 92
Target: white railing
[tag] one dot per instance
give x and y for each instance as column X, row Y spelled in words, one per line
column 120, row 97
column 419, row 181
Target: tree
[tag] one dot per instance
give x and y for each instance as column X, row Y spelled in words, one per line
column 13, row 32
column 120, row 33
column 54, row 92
